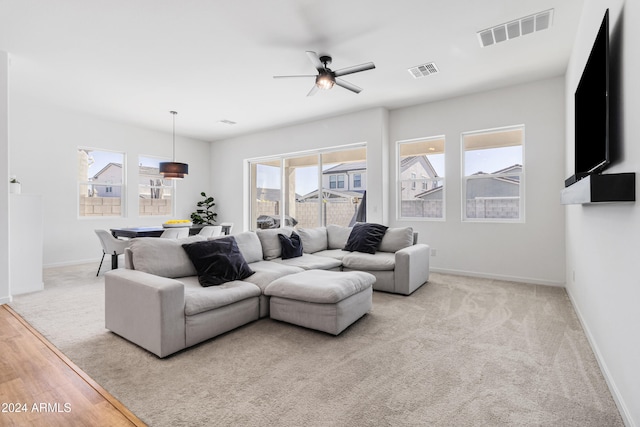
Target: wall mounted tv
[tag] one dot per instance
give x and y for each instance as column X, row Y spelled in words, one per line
column 592, row 108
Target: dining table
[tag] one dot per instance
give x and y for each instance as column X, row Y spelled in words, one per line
column 154, row 231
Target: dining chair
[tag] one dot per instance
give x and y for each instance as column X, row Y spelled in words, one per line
column 211, row 230
column 111, row 246
column 175, row 233
column 226, row 227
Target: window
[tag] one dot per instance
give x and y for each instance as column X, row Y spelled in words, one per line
column 304, row 190
column 100, row 183
column 421, row 197
column 357, row 180
column 155, row 194
column 493, row 175
column 336, row 181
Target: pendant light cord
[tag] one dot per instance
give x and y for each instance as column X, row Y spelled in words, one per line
column 174, row 134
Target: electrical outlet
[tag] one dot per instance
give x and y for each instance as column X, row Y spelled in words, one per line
column 433, row 252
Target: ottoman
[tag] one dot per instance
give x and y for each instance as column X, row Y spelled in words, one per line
column 327, row 301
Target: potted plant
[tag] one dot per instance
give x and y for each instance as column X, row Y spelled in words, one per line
column 14, row 185
column 204, row 214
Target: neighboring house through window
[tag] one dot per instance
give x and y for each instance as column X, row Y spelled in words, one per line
column 155, row 194
column 421, row 197
column 493, row 175
column 100, row 182
column 286, row 188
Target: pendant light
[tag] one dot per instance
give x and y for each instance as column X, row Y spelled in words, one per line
column 174, row 170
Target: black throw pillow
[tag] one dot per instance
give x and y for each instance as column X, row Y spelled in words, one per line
column 291, row 246
column 218, row 261
column 365, row 237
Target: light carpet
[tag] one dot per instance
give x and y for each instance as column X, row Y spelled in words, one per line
column 458, row 352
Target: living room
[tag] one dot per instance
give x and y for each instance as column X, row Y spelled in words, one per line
column 586, row 249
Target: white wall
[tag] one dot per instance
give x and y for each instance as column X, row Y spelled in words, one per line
column 4, row 173
column 603, row 241
column 228, row 179
column 44, row 141
column 533, row 251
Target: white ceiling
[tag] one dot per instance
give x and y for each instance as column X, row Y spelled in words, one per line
column 133, row 61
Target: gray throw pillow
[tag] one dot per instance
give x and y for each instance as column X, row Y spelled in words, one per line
column 313, row 239
column 395, row 239
column 337, row 236
column 163, row 257
column 271, row 248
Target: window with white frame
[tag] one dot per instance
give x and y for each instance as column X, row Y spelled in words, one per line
column 493, row 165
column 155, row 194
column 304, row 190
column 100, row 182
column 357, row 180
column 421, row 197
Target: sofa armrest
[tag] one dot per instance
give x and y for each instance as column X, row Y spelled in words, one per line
column 412, row 268
column 145, row 309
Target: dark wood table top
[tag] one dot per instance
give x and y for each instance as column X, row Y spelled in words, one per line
column 155, row 231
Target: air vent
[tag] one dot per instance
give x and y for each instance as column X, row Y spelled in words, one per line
column 520, row 27
column 423, row 70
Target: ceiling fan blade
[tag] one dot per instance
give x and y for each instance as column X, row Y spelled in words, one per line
column 355, row 69
column 287, row 77
column 347, row 85
column 315, row 60
column 313, row 90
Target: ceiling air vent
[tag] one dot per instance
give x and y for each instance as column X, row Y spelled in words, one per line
column 520, row 27
column 423, row 70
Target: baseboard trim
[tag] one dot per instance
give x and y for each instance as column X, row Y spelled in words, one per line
column 5, row 300
column 613, row 389
column 518, row 279
column 77, row 262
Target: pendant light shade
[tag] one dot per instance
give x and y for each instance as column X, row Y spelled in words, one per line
column 174, row 170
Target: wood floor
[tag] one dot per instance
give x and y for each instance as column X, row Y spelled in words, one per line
column 40, row 386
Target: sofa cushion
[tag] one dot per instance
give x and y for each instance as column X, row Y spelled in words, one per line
column 199, row 299
column 163, row 257
column 323, row 287
column 337, row 236
column 266, row 272
column 313, row 239
column 249, row 245
column 217, row 261
column 365, row 237
column 396, row 238
column 380, row 261
column 332, row 253
column 270, row 243
column 291, row 246
column 311, row 262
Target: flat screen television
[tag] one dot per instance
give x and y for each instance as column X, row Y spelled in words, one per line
column 592, row 108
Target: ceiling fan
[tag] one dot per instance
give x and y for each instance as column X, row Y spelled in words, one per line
column 326, row 78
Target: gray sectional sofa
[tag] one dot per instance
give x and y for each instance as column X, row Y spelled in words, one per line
column 158, row 303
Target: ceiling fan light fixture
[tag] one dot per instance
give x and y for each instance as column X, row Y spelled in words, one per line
column 325, row 81
column 173, row 169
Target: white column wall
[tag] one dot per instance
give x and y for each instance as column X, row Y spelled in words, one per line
column 4, row 173
column 603, row 241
